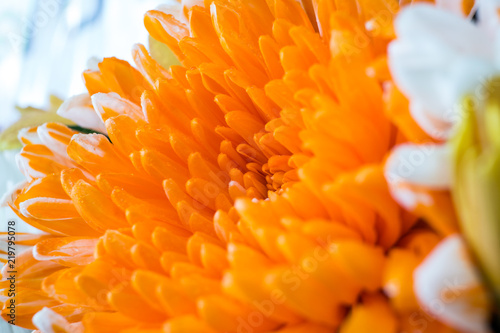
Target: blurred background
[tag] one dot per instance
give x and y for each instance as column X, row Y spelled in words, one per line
column 45, row 45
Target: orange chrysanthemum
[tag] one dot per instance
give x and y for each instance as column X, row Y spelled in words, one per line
column 240, row 192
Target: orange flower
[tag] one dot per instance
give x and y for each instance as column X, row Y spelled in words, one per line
column 240, row 192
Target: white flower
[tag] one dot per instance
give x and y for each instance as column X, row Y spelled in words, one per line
column 448, row 287
column 438, row 58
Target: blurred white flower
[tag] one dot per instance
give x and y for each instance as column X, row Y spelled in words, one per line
column 448, row 287
column 438, row 58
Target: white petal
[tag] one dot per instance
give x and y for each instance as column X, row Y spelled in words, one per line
column 79, row 110
column 418, row 67
column 448, row 287
column 89, row 142
column 411, row 166
column 423, row 21
column 409, row 198
column 93, row 63
column 25, row 205
column 191, row 3
column 436, row 127
column 437, row 59
column 29, row 135
column 421, row 70
column 468, row 76
column 53, row 144
column 23, row 165
column 117, row 104
column 427, row 165
column 453, row 6
column 471, row 75
column 48, row 321
column 173, row 8
column 489, row 21
column 489, row 17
